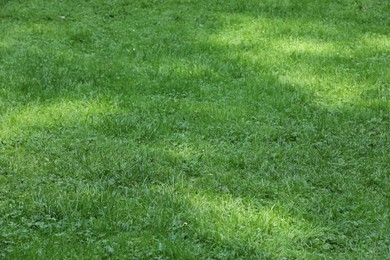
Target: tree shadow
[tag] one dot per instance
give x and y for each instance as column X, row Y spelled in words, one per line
column 209, row 104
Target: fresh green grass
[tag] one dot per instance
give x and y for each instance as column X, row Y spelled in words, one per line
column 195, row 129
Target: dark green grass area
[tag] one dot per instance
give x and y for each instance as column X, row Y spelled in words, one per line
column 186, row 129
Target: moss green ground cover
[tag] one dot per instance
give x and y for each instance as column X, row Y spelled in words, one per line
column 195, row 129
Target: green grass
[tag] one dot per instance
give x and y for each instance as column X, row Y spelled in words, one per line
column 186, row 129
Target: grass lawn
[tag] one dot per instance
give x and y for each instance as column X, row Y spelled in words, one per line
column 184, row 129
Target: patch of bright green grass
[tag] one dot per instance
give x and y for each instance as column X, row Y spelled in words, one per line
column 194, row 129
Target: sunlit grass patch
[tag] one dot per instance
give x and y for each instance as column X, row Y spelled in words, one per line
column 228, row 217
column 53, row 116
column 313, row 57
column 194, row 129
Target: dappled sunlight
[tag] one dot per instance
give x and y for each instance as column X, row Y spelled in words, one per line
column 330, row 94
column 182, row 152
column 296, row 46
column 183, row 68
column 219, row 220
column 261, row 228
column 376, row 42
column 214, row 111
column 58, row 114
column 204, row 129
column 318, row 63
column 260, row 31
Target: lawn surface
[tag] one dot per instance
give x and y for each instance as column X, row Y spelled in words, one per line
column 186, row 129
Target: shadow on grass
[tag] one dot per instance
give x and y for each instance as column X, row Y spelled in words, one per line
column 209, row 135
